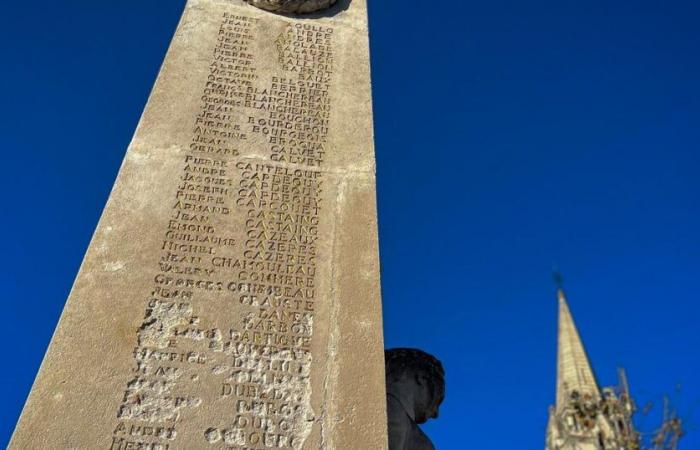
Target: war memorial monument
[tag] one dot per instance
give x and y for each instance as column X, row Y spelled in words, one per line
column 229, row 298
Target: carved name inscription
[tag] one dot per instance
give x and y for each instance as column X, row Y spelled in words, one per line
column 242, row 235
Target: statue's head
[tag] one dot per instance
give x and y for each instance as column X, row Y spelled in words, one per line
column 293, row 6
column 418, row 375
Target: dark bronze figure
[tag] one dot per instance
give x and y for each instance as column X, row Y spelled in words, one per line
column 415, row 388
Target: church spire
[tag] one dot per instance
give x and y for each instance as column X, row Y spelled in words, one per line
column 574, row 372
column 586, row 417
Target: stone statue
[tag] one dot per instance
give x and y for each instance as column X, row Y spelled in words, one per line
column 415, row 388
column 293, row 6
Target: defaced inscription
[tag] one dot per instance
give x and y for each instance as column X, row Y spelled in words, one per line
column 243, row 231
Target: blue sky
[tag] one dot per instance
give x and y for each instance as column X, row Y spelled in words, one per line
column 511, row 136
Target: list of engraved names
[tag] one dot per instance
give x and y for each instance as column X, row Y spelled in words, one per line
column 243, row 231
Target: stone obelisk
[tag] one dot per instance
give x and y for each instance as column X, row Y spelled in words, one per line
column 229, row 298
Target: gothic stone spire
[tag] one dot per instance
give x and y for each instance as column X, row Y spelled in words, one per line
column 586, row 417
column 574, row 372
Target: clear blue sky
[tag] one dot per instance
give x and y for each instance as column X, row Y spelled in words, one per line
column 511, row 136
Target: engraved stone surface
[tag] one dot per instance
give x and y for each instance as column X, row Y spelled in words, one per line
column 229, row 298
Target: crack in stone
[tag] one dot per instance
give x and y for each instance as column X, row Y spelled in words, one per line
column 332, row 352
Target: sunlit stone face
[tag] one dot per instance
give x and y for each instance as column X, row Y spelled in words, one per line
column 230, row 297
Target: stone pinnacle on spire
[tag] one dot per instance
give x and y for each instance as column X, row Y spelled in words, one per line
column 574, row 372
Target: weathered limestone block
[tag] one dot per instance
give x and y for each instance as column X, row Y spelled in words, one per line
column 229, row 298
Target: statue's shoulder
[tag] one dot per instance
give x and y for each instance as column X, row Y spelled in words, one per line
column 420, row 440
column 404, row 433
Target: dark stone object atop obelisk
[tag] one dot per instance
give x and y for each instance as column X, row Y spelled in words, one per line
column 293, row 6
